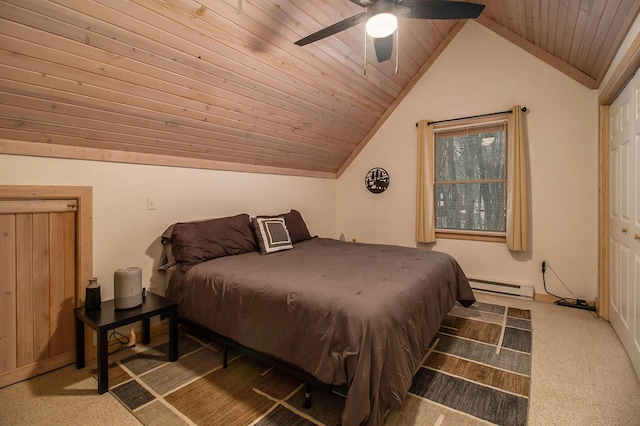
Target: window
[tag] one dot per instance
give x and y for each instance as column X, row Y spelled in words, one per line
column 471, row 180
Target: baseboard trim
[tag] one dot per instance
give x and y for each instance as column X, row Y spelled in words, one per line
column 544, row 298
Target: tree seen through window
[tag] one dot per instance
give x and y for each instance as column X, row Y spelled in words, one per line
column 470, row 179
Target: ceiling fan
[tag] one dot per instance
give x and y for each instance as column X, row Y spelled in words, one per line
column 382, row 19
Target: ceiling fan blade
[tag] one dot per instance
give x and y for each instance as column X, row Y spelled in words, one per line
column 383, row 47
column 333, row 29
column 440, row 10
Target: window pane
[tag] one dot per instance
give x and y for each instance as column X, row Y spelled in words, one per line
column 477, row 207
column 470, row 156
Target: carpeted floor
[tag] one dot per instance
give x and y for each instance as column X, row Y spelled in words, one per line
column 477, row 370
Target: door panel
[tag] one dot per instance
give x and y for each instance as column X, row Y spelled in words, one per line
column 636, row 328
column 8, row 299
column 40, row 272
column 625, row 182
column 624, row 219
column 62, row 244
column 624, row 284
column 38, row 251
column 614, row 163
column 614, row 280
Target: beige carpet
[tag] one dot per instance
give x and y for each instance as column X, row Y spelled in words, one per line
column 477, row 370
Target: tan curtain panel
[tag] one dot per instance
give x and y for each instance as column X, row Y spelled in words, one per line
column 517, row 194
column 425, row 219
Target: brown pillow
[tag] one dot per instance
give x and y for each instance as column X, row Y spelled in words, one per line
column 196, row 242
column 295, row 225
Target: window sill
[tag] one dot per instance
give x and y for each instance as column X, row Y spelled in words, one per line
column 472, row 236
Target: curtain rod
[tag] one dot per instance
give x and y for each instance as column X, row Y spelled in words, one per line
column 524, row 109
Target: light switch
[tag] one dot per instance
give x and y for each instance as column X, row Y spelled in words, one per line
column 151, row 202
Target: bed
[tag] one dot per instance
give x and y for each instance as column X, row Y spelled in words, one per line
column 348, row 314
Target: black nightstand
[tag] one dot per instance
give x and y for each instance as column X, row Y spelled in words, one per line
column 108, row 318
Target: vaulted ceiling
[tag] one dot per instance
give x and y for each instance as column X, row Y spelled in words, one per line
column 220, row 84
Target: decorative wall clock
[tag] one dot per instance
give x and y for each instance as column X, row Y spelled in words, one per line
column 377, row 180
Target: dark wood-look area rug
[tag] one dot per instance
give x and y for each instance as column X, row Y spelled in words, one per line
column 476, row 372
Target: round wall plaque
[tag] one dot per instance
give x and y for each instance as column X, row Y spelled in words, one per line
column 377, row 180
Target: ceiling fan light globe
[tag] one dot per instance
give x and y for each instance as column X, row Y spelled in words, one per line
column 381, row 25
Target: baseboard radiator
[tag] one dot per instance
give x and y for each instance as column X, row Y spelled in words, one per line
column 510, row 289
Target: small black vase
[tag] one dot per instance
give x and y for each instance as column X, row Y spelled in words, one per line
column 92, row 297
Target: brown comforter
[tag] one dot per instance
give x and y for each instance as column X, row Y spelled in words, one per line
column 348, row 313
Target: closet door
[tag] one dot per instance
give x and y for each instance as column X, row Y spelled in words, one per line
column 624, row 219
column 37, row 286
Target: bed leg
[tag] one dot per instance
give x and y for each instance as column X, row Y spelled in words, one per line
column 225, row 353
column 307, row 396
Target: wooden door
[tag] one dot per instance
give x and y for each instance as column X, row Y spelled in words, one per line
column 38, row 249
column 624, row 219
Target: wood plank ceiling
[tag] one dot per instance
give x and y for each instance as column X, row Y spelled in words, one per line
column 219, row 83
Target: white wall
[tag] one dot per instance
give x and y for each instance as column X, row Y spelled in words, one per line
column 125, row 233
column 480, row 72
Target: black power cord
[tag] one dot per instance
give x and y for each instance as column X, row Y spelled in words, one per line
column 544, row 282
column 563, row 301
column 120, row 339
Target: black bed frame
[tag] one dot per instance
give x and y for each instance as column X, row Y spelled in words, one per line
column 294, row 371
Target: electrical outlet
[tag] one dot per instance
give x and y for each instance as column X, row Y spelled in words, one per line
column 132, row 339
